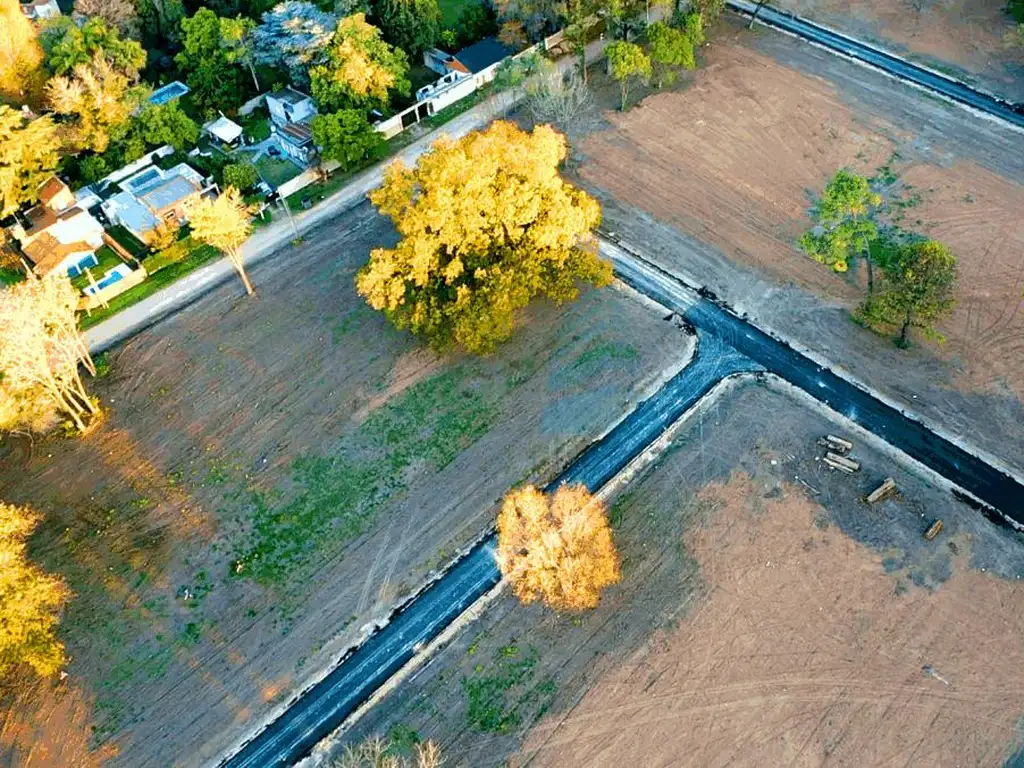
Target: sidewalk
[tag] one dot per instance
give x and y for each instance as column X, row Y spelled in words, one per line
column 279, row 234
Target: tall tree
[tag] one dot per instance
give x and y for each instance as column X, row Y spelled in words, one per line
column 159, row 124
column 412, row 25
column 40, row 355
column 918, row 290
column 21, row 75
column 627, row 62
column 846, row 227
column 207, row 63
column 28, row 157
column 294, row 35
column 362, row 69
column 68, row 46
column 119, row 14
column 487, row 224
column 556, row 98
column 346, row 136
column 557, row 549
column 161, row 21
column 99, row 101
column 30, row 600
column 670, row 48
column 223, row 222
column 236, row 37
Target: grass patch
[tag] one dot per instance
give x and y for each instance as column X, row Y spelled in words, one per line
column 151, row 285
column 604, row 351
column 10, row 275
column 107, row 259
column 333, row 499
column 277, row 170
column 500, row 696
column 128, row 241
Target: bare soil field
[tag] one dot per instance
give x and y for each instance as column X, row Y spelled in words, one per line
column 767, row 616
column 963, row 38
column 715, row 181
column 272, row 476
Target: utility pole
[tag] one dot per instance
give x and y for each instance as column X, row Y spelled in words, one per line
column 753, row 16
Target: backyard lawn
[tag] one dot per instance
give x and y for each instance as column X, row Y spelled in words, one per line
column 277, row 171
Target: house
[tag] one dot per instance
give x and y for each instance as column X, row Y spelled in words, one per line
column 153, row 196
column 57, row 234
column 226, row 131
column 480, row 60
column 290, row 113
column 39, row 10
column 165, row 93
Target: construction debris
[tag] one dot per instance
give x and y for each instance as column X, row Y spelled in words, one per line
column 843, row 464
column 886, row 489
column 933, row 530
column 836, row 444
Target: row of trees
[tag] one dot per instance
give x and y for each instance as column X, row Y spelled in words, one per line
column 911, row 280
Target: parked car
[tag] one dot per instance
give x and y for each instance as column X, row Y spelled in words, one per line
column 274, row 151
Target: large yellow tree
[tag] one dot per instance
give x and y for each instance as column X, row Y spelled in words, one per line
column 100, row 101
column 487, row 224
column 557, row 548
column 21, row 56
column 30, row 600
column 225, row 223
column 28, row 157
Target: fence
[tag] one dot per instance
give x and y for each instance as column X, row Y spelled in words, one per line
column 104, row 295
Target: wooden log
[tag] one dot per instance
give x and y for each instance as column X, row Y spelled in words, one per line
column 836, row 461
column 933, row 530
column 836, row 444
column 887, row 488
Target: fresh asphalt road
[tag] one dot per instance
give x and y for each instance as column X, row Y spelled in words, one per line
column 326, row 705
column 893, row 65
column 727, row 345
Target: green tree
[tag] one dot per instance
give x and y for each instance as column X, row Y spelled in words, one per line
column 242, row 176
column 362, row 69
column 207, row 63
column 670, row 48
column 68, row 46
column 627, row 62
column 159, row 124
column 918, row 289
column 693, row 26
column 412, row 25
column 486, row 224
column 846, row 227
column 21, row 76
column 236, row 38
column 346, row 136
column 161, row 20
column 99, row 101
column 30, row 600
column 28, row 157
column 295, row 36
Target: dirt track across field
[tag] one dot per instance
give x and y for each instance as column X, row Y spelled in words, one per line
column 963, row 38
column 274, row 474
column 767, row 615
column 715, row 181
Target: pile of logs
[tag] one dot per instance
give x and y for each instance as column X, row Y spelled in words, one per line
column 836, row 454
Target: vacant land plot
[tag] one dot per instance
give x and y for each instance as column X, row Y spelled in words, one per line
column 715, row 181
column 964, row 38
column 273, row 475
column 767, row 616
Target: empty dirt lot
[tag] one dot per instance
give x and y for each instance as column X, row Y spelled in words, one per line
column 273, row 474
column 963, row 38
column 766, row 616
column 715, row 181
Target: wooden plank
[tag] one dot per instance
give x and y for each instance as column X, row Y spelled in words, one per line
column 887, row 488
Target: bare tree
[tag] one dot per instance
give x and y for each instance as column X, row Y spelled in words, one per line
column 378, row 753
column 117, row 13
column 41, row 350
column 556, row 98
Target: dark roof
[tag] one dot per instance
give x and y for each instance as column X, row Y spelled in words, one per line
column 46, row 252
column 298, row 134
column 479, row 56
column 289, row 95
column 50, row 189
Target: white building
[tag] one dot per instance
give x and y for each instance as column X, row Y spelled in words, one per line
column 290, row 113
column 57, row 234
column 39, row 10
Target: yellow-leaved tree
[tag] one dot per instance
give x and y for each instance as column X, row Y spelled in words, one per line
column 28, row 157
column 41, row 350
column 30, row 600
column 487, row 224
column 21, row 74
column 225, row 223
column 557, row 548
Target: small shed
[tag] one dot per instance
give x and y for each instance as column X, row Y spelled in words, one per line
column 481, row 59
column 224, row 130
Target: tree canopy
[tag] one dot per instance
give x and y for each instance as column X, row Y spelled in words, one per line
column 627, row 62
column 845, row 224
column 412, row 25
column 294, row 35
column 486, row 224
column 223, row 222
column 121, row 14
column 241, row 176
column 920, row 278
column 346, row 136
column 361, row 70
column 30, row 600
column 21, row 75
column 28, row 157
column 98, row 102
column 208, row 62
column 68, row 46
column 558, row 548
column 670, row 48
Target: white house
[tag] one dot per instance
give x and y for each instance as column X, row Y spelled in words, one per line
column 57, row 234
column 226, row 131
column 290, row 114
column 153, row 196
column 39, row 10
